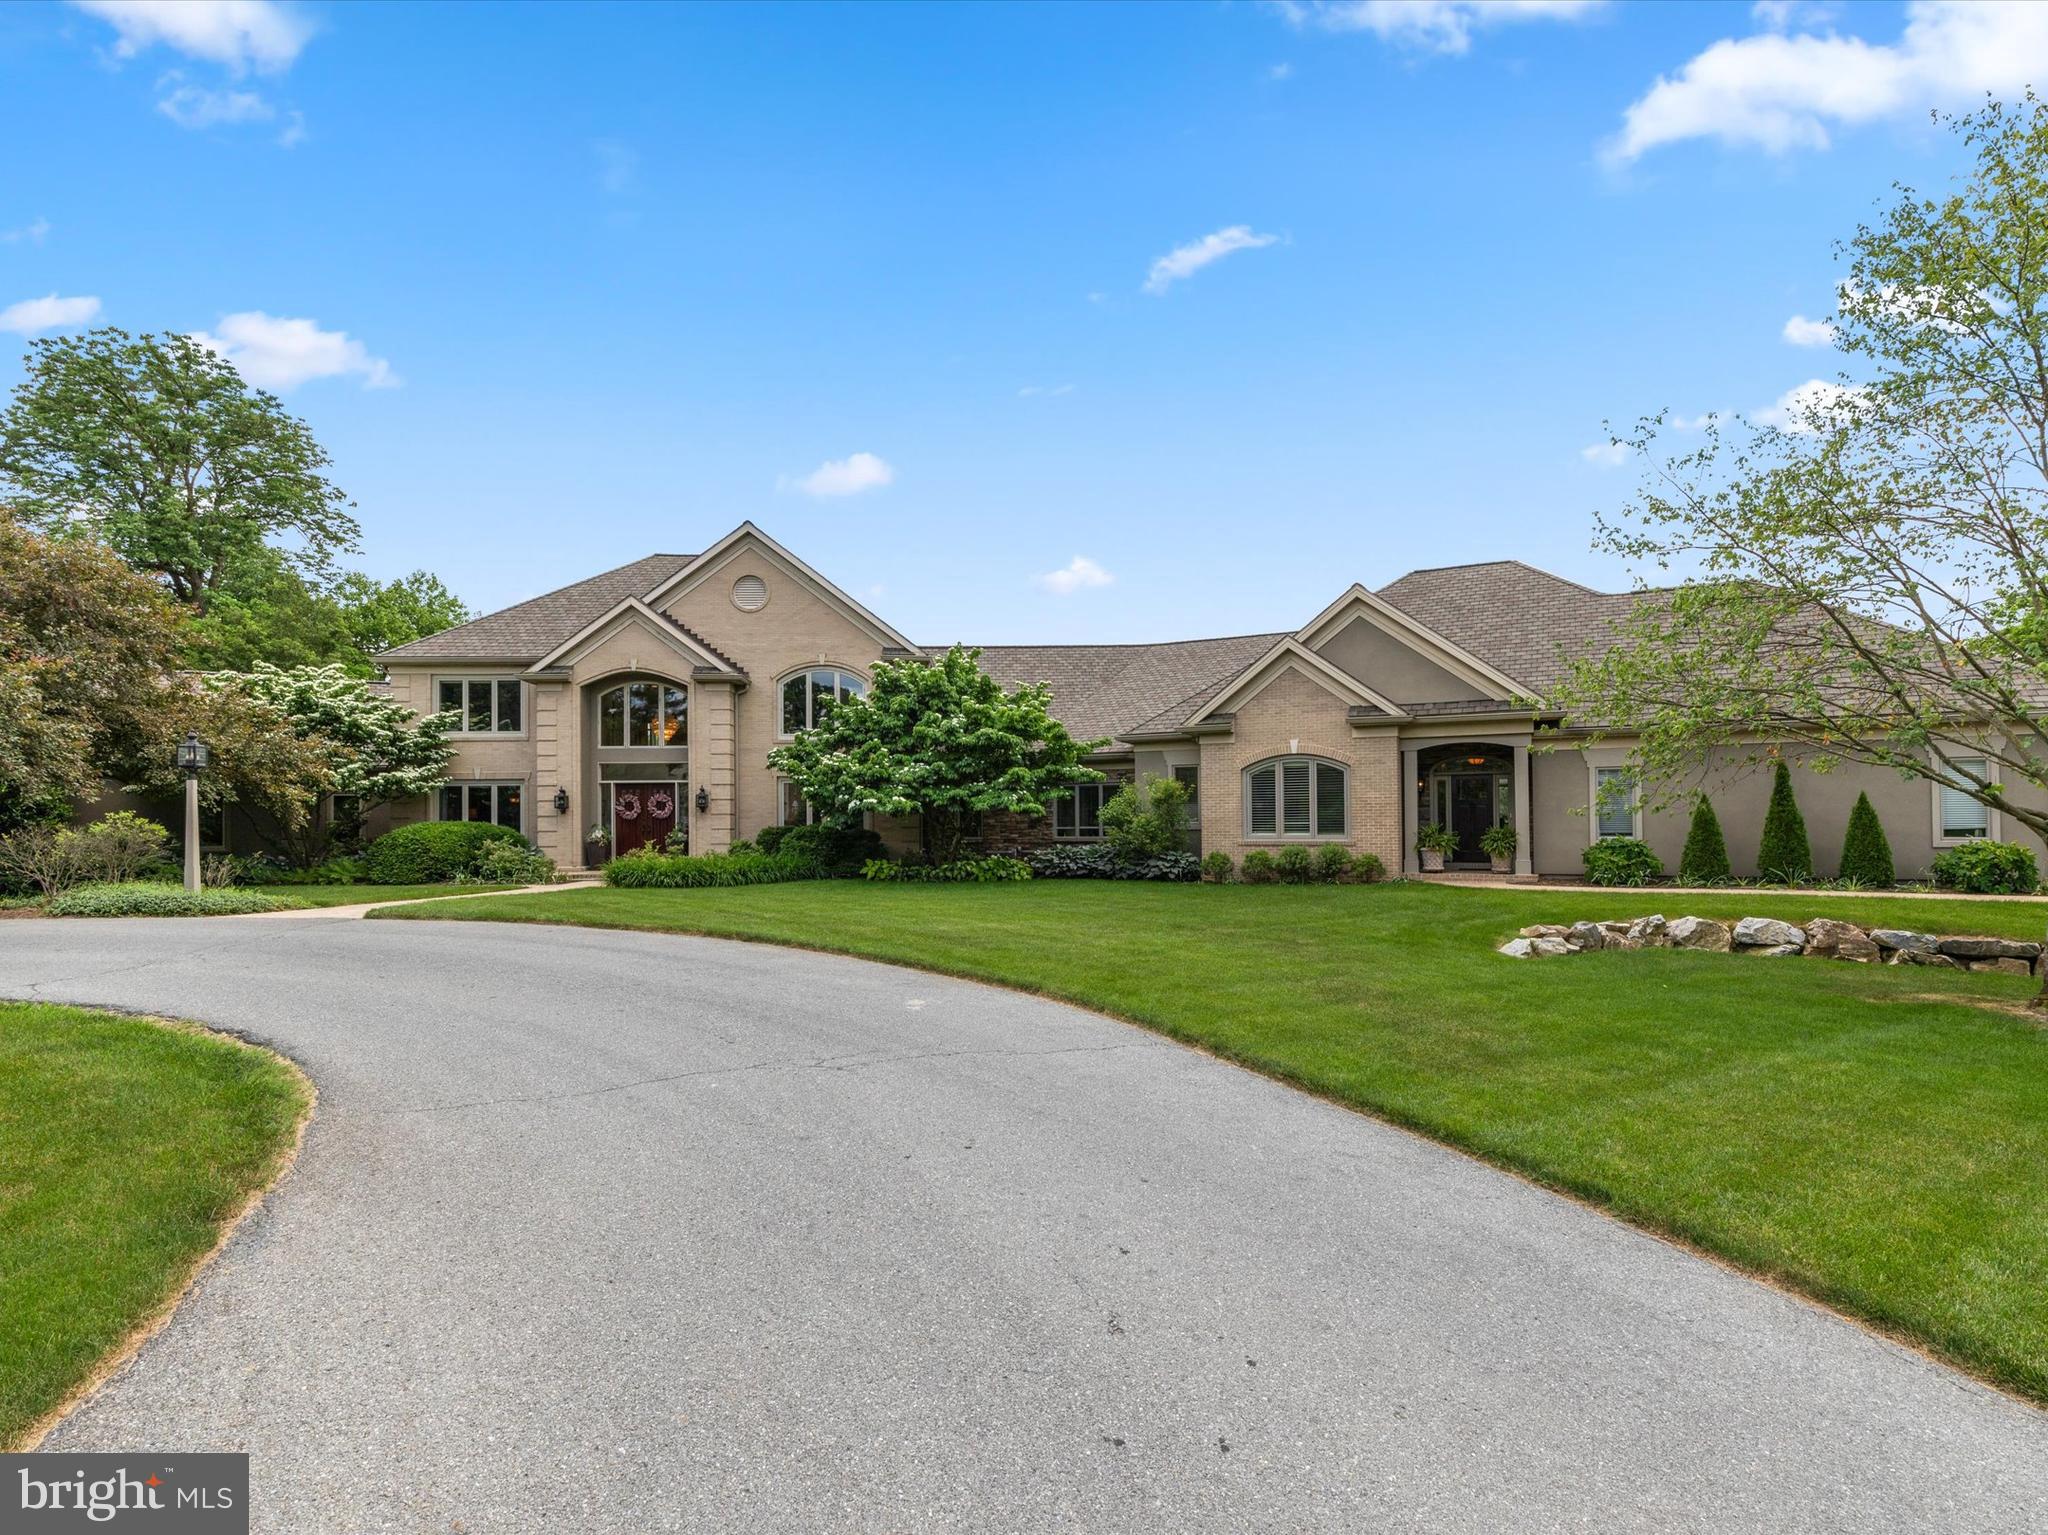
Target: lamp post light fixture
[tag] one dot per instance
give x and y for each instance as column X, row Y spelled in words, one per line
column 192, row 755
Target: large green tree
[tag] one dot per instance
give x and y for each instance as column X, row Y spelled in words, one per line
column 156, row 446
column 939, row 739
column 1866, row 578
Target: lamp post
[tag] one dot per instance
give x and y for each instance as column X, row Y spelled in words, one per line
column 192, row 759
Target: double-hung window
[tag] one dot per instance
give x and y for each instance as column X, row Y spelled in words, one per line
column 1958, row 817
column 1295, row 797
column 809, row 696
column 1078, row 812
column 496, row 802
column 484, row 706
column 1614, row 803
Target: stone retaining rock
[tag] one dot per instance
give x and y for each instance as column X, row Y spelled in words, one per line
column 1898, row 938
column 1774, row 950
column 1919, row 957
column 1534, row 948
column 2006, row 966
column 1767, row 933
column 1700, row 933
column 1648, row 933
column 1987, row 948
column 1545, row 930
column 1586, row 935
column 1830, row 939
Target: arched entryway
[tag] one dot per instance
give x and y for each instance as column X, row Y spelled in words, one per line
column 637, row 726
column 1469, row 787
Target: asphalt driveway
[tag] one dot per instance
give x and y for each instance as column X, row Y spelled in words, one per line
column 618, row 1232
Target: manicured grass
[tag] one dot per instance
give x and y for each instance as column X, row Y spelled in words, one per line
column 124, row 1146
column 1876, row 1137
column 357, row 895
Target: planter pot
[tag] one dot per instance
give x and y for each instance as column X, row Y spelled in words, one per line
column 1504, row 865
column 1432, row 861
column 596, row 854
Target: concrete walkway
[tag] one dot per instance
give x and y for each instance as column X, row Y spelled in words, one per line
column 455, row 893
column 615, row 1232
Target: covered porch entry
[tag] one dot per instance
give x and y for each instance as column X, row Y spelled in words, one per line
column 1469, row 786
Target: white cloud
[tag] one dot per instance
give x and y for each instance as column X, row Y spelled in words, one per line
column 847, row 476
column 32, row 316
column 195, row 106
column 281, row 354
column 34, row 232
column 1033, row 391
column 1810, row 406
column 1437, row 26
column 1078, row 572
column 239, row 34
column 1781, row 15
column 294, row 131
column 1779, row 92
column 1279, row 71
column 1800, row 331
column 1186, row 260
column 1605, row 455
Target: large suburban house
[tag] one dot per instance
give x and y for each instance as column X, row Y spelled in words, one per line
column 648, row 698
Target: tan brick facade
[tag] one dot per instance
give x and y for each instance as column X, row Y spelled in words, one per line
column 1291, row 715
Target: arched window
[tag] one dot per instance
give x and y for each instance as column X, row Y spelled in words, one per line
column 809, row 696
column 644, row 714
column 1296, row 797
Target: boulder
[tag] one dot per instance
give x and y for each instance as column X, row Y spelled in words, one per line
column 1775, row 950
column 1586, row 935
column 2004, row 966
column 1767, row 933
column 1518, row 948
column 1545, row 930
column 1700, row 933
column 1987, row 948
column 1859, row 950
column 1616, row 929
column 1544, row 946
column 1824, row 936
column 1918, row 957
column 1649, row 932
column 1895, row 938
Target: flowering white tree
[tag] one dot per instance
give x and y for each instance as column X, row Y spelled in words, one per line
column 941, row 740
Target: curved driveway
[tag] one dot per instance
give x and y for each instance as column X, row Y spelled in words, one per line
column 621, row 1233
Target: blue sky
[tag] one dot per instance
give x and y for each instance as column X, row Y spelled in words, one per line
column 899, row 283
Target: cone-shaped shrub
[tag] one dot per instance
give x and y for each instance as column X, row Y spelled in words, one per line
column 1784, row 854
column 1705, row 859
column 1866, row 855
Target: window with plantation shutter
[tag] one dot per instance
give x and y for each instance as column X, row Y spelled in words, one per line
column 1262, row 800
column 1963, row 819
column 1296, row 797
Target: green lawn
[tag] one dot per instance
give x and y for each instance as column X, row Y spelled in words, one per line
column 1876, row 1137
column 357, row 895
column 124, row 1146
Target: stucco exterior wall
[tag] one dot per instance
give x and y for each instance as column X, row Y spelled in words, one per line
column 1741, row 794
column 1393, row 667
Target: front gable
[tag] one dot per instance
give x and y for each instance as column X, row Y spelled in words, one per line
column 1305, row 669
column 1376, row 642
column 633, row 637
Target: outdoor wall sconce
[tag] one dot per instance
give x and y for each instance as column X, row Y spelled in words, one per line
column 561, row 802
column 703, row 799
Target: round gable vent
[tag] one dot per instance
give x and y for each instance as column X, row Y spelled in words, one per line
column 750, row 594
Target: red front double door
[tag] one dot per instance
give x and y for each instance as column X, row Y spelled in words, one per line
column 643, row 814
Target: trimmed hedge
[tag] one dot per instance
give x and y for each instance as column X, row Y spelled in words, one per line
column 840, row 851
column 432, row 852
column 641, row 870
column 1098, row 860
column 994, row 869
column 1987, row 868
column 145, row 899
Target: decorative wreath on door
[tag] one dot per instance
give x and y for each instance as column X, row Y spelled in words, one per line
column 661, row 804
column 627, row 807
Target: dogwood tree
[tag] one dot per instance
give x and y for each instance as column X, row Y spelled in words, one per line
column 939, row 739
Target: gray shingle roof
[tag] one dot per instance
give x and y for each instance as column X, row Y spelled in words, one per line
column 1512, row 616
column 1104, row 690
column 528, row 630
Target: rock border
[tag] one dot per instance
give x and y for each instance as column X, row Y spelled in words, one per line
column 1768, row 937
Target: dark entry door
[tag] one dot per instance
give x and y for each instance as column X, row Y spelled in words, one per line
column 1471, row 814
column 643, row 814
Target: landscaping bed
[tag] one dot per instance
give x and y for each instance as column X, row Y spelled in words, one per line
column 1871, row 1135
column 127, row 1146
